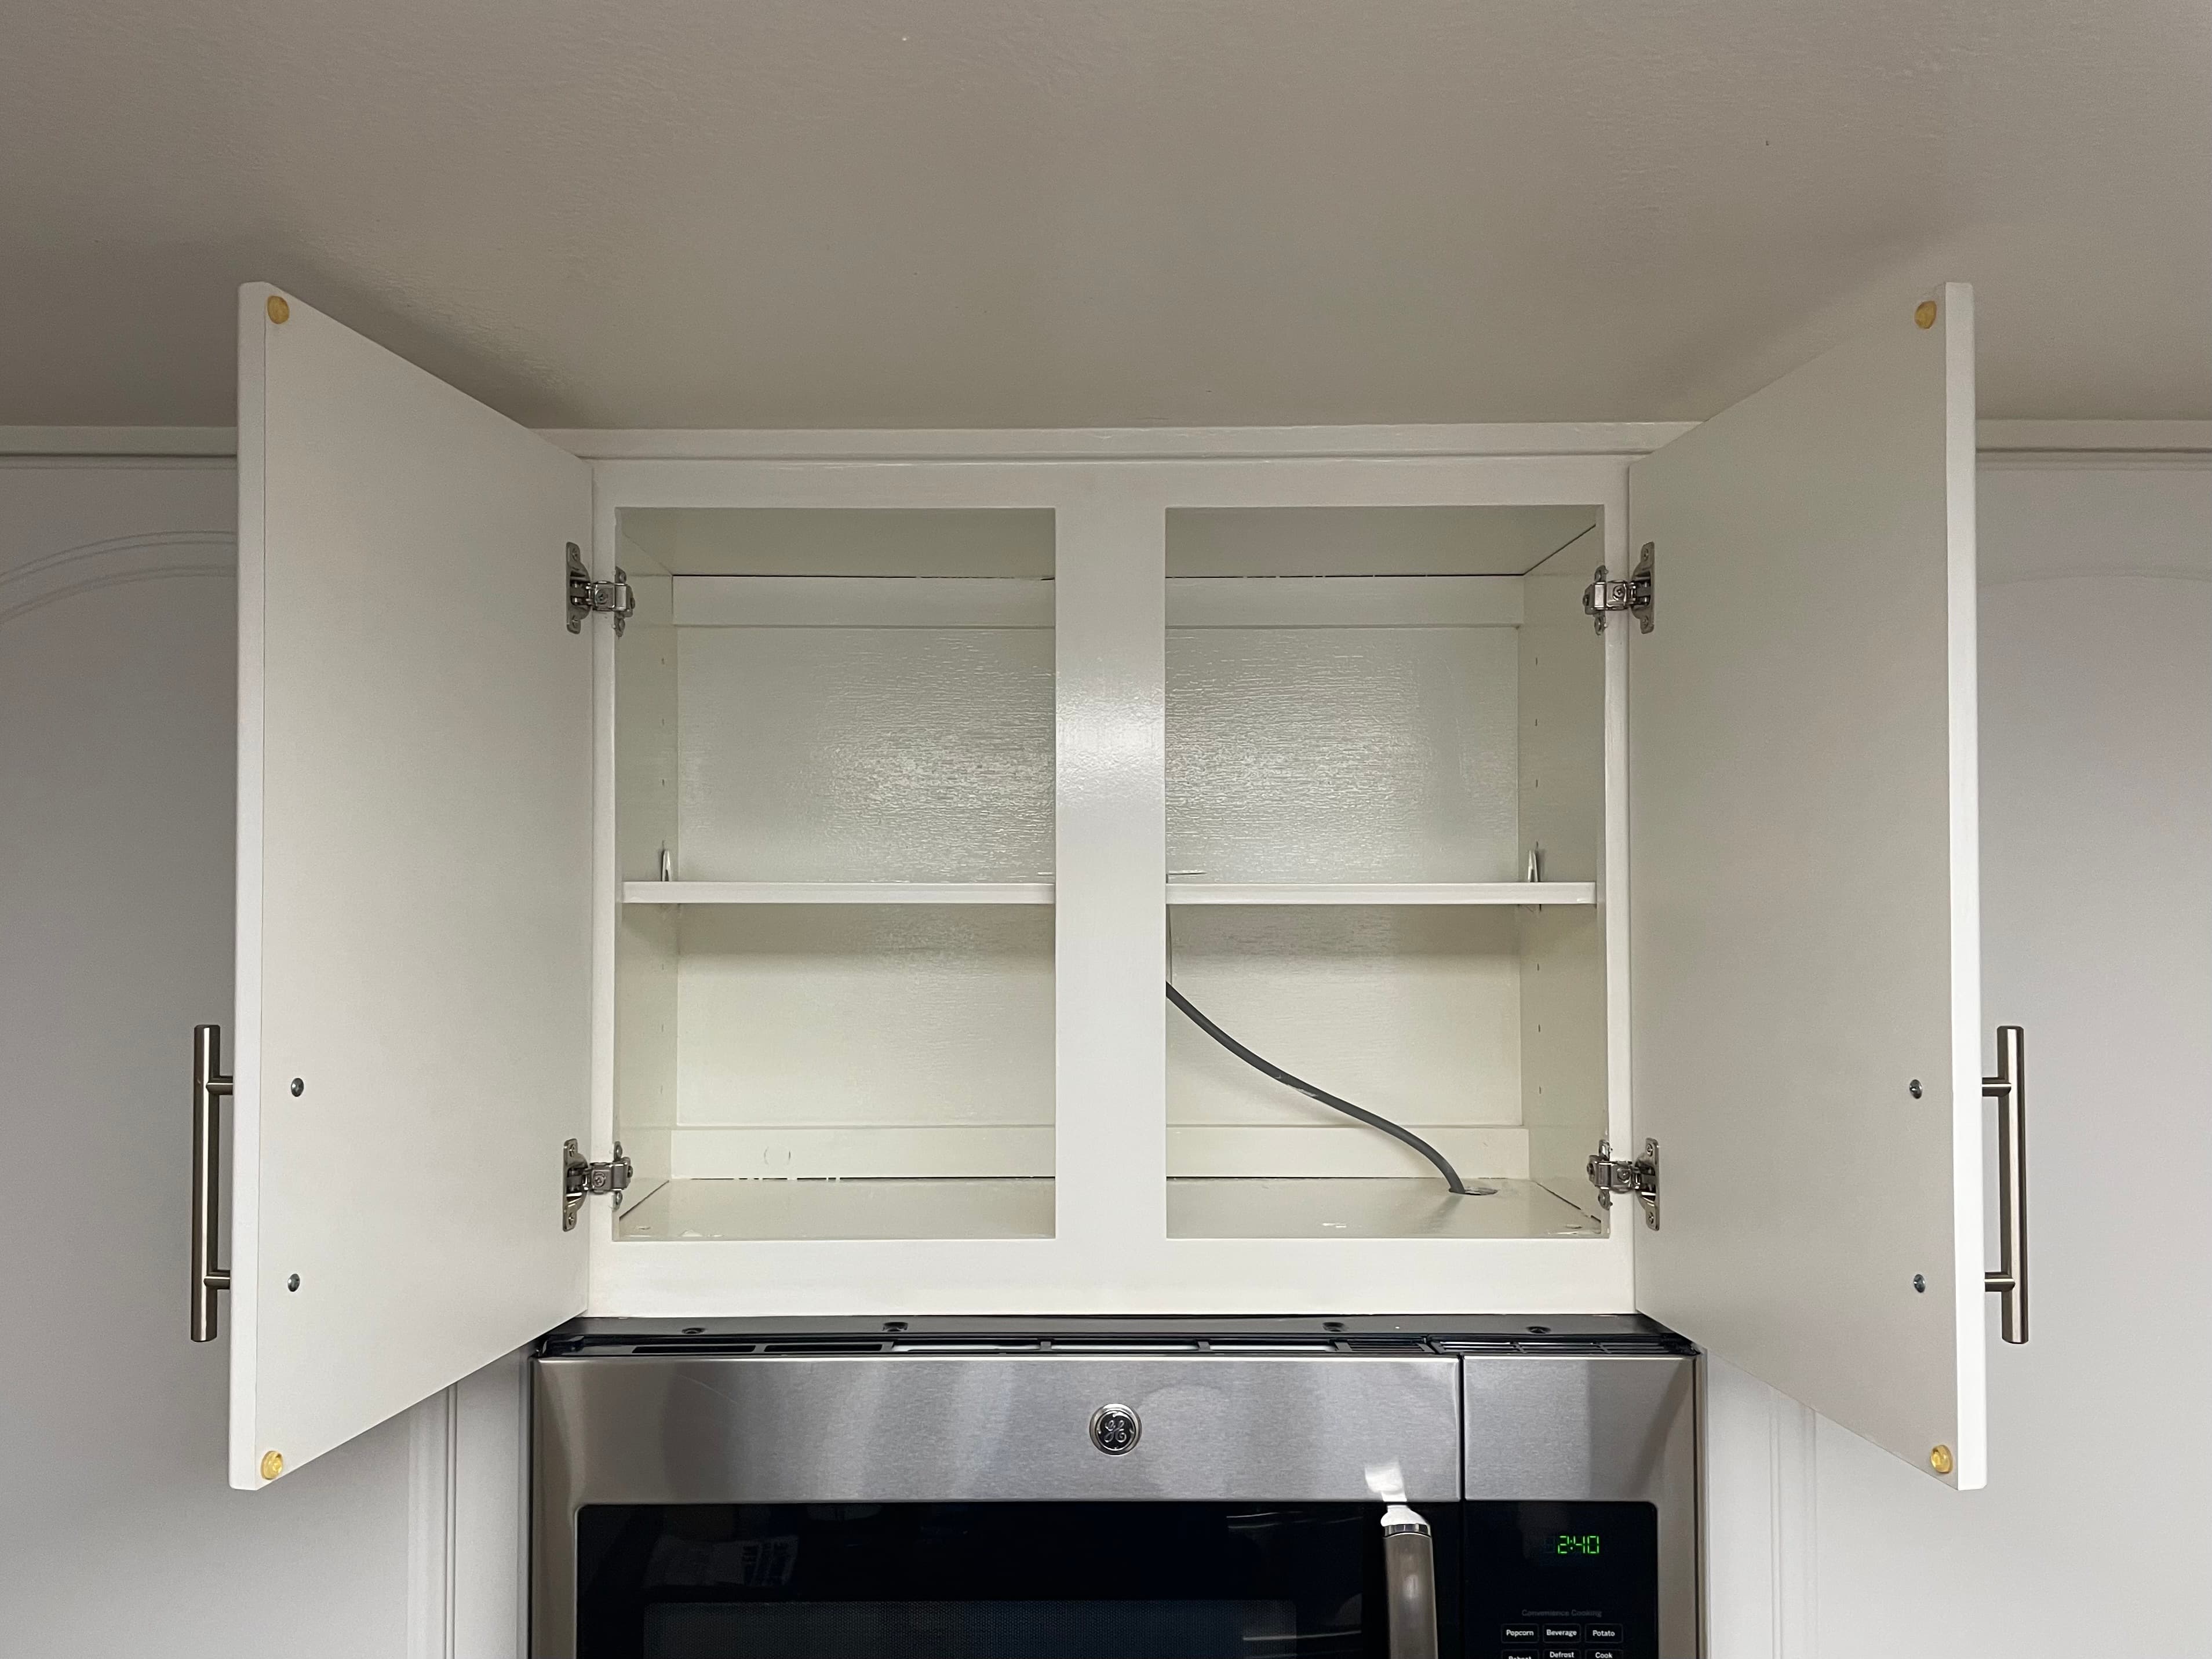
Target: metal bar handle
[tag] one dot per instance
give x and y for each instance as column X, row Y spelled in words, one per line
column 2009, row 1088
column 1409, row 1579
column 209, row 1085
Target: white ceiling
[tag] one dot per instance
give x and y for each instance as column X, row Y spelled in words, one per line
column 1048, row 213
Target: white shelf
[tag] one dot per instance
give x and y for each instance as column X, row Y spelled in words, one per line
column 1383, row 892
column 836, row 892
column 1040, row 893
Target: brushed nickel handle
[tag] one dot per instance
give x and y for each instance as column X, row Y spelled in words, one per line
column 1409, row 1581
column 209, row 1085
column 2009, row 1088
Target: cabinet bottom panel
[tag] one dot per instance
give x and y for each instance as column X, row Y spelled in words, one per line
column 1388, row 1207
column 1325, row 1207
column 1020, row 1207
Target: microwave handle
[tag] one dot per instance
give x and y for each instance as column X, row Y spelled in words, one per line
column 1409, row 1573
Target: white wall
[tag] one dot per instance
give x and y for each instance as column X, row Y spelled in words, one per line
column 119, row 1535
column 2094, row 1535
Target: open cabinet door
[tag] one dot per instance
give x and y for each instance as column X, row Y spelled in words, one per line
column 1804, row 922
column 414, row 887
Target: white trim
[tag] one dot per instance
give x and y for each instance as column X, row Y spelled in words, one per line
column 1383, row 892
column 1026, row 602
column 1133, row 443
column 1126, row 443
column 1538, row 480
column 1760, row 1519
column 1793, row 1451
column 2091, row 460
column 1626, row 438
column 136, row 441
column 489, row 1555
column 246, row 1450
column 1614, row 876
column 836, row 892
column 862, row 602
column 2078, row 437
column 432, row 1494
column 1963, row 607
column 1344, row 602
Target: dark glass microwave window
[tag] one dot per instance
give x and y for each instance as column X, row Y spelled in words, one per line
column 987, row 1581
column 1561, row 1577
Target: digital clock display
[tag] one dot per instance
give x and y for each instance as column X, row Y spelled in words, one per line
column 1575, row 1578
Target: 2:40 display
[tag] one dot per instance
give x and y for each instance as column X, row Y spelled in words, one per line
column 1571, row 1543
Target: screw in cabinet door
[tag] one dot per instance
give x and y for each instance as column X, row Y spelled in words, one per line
column 1940, row 1460
column 272, row 1465
column 299, row 1087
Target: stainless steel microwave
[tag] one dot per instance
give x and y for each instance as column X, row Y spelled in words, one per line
column 1086, row 1489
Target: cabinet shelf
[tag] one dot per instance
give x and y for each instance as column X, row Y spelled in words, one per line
column 1040, row 892
column 1383, row 892
column 836, row 892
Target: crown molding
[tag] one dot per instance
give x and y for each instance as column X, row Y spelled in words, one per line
column 1135, row 443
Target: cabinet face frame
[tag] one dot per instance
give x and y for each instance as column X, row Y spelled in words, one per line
column 1111, row 1252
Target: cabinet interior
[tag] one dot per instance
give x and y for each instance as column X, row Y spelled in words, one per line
column 1390, row 717
column 834, row 819
column 833, row 736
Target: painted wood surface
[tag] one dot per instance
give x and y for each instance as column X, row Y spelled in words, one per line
column 836, row 892
column 415, row 871
column 1527, row 893
column 1111, row 1141
column 1339, row 754
column 1805, row 929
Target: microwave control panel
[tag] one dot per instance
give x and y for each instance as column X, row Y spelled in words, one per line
column 1560, row 1581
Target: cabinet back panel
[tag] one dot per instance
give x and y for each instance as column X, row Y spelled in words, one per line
column 815, row 541
column 860, row 1039
column 1411, row 1011
column 1368, row 541
column 865, row 754
column 1343, row 754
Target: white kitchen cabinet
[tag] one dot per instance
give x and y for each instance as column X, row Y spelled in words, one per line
column 837, row 883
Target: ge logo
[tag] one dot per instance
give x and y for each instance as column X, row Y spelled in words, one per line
column 1114, row 1429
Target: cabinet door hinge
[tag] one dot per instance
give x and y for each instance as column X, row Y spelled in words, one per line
column 1640, row 1177
column 587, row 596
column 1634, row 595
column 580, row 1178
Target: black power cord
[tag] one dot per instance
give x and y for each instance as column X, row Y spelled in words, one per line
column 1373, row 1121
